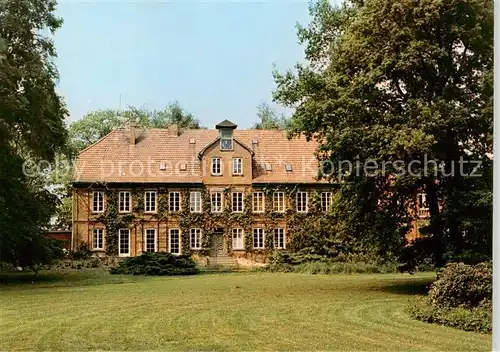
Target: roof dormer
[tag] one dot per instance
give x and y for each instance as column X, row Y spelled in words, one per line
column 226, row 129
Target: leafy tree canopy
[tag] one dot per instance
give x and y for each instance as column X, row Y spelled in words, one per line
column 270, row 119
column 31, row 127
column 391, row 80
column 96, row 124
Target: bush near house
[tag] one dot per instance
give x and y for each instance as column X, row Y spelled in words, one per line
column 461, row 297
column 317, row 264
column 462, row 285
column 161, row 263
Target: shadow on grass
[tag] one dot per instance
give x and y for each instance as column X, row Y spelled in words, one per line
column 61, row 278
column 416, row 286
column 28, row 278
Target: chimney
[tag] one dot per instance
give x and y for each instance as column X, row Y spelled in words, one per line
column 173, row 130
column 131, row 135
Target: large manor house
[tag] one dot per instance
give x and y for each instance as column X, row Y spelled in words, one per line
column 222, row 192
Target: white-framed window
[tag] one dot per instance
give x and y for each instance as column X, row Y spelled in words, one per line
column 97, row 202
column 279, row 202
column 258, row 238
column 195, row 238
column 258, row 202
column 150, row 240
column 124, row 203
column 226, row 139
column 98, row 239
column 302, row 198
column 237, row 166
column 238, row 238
column 174, row 241
column 150, row 201
column 195, row 202
column 279, row 238
column 124, row 242
column 174, row 201
column 326, row 201
column 422, row 201
column 216, row 166
column 237, row 202
column 216, row 202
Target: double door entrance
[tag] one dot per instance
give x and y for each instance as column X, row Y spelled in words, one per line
column 219, row 247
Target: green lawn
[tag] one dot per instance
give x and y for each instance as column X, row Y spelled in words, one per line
column 238, row 311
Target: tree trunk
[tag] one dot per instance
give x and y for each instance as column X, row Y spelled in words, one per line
column 436, row 223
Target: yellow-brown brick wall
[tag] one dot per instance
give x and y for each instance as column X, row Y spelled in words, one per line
column 227, row 178
column 84, row 221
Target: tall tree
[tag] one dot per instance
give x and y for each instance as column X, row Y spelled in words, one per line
column 92, row 127
column 270, row 119
column 96, row 124
column 31, row 127
column 174, row 114
column 391, row 80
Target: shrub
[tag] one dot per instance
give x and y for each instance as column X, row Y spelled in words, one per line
column 157, row 264
column 315, row 264
column 462, row 285
column 477, row 319
column 82, row 253
column 7, row 267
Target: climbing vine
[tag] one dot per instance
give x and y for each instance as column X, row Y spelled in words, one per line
column 210, row 223
column 113, row 221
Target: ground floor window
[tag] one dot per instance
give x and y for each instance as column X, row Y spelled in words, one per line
column 238, row 239
column 258, row 238
column 174, row 241
column 279, row 238
column 124, row 243
column 150, row 240
column 195, row 238
column 97, row 239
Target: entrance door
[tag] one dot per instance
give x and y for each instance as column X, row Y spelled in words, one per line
column 218, row 244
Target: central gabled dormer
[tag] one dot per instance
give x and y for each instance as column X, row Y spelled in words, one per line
column 226, row 129
column 226, row 160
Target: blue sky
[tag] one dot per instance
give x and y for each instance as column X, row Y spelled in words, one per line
column 215, row 58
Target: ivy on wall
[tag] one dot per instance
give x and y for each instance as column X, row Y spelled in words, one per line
column 210, row 222
column 113, row 221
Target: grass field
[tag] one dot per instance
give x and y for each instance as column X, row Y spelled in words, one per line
column 237, row 311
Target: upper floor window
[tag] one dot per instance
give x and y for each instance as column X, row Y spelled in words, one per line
column 124, row 205
column 216, row 202
column 237, row 166
column 258, row 202
column 279, row 201
column 174, row 201
column 326, row 201
column 150, row 201
column 195, row 202
column 237, row 205
column 216, row 167
column 98, row 202
column 302, row 206
column 226, row 139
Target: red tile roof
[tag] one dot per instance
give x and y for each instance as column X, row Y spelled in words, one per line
column 115, row 159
